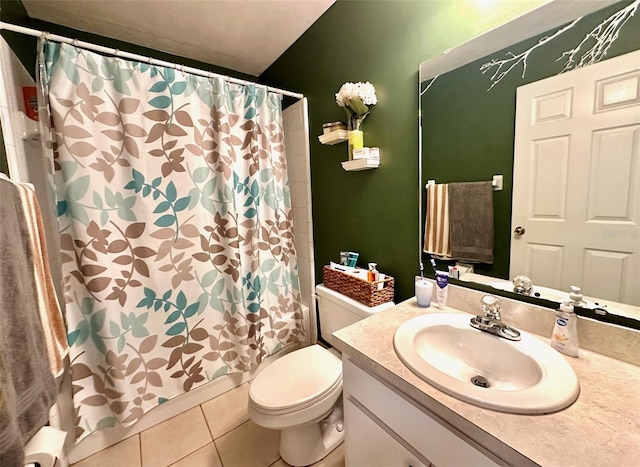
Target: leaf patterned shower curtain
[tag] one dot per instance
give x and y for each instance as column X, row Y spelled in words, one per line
column 176, row 230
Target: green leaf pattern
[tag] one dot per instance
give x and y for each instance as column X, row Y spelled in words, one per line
column 176, row 233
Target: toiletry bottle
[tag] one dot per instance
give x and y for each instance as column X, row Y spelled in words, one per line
column 372, row 274
column 576, row 296
column 352, row 259
column 565, row 333
column 442, row 284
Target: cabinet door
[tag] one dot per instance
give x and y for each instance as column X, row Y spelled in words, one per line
column 431, row 437
column 369, row 443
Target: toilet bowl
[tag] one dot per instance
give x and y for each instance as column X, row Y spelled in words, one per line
column 300, row 393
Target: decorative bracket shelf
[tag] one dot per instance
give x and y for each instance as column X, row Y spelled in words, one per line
column 334, row 137
column 340, row 136
column 360, row 164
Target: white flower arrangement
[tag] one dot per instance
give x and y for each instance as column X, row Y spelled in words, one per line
column 355, row 97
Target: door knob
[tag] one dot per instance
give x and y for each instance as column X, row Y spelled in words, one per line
column 519, row 231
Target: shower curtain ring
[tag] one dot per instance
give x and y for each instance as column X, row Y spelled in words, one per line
column 74, row 42
column 116, row 53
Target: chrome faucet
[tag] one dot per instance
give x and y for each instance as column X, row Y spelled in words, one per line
column 522, row 285
column 491, row 321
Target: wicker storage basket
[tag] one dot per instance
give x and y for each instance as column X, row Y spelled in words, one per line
column 365, row 292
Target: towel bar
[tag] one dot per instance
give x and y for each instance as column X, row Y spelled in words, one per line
column 496, row 182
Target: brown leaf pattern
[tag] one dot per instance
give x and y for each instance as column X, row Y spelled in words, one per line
column 176, row 232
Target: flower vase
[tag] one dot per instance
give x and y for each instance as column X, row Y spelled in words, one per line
column 356, row 139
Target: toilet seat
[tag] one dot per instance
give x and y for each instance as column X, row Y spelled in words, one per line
column 294, row 381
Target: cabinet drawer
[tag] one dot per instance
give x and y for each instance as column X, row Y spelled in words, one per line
column 429, row 437
column 372, row 445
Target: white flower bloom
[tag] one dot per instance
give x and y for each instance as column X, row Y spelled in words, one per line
column 355, row 97
column 365, row 92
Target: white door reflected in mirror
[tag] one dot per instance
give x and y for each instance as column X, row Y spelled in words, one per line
column 577, row 169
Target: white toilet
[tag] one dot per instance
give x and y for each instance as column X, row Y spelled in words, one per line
column 300, row 393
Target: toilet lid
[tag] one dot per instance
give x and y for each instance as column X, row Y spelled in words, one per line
column 296, row 379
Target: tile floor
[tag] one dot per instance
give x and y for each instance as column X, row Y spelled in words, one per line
column 217, row 433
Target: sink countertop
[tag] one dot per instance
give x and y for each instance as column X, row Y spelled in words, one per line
column 601, row 428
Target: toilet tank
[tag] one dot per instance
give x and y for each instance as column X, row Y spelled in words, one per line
column 337, row 311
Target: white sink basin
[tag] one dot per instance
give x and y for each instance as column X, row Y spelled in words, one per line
column 523, row 377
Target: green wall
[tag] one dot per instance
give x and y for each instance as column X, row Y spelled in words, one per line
column 375, row 212
column 382, row 41
column 470, row 137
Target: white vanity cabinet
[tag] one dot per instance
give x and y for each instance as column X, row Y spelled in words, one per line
column 385, row 428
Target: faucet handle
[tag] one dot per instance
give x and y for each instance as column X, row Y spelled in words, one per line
column 491, row 306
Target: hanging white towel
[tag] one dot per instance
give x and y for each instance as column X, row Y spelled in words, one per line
column 436, row 229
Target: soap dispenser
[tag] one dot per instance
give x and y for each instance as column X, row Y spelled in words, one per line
column 565, row 333
column 576, row 296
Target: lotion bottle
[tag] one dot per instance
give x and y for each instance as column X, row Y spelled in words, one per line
column 565, row 333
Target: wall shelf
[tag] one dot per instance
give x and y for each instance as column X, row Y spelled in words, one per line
column 334, row 137
column 360, row 164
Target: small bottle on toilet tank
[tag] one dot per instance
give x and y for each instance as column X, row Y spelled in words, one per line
column 372, row 273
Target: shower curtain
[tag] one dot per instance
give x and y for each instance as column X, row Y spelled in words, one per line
column 175, row 225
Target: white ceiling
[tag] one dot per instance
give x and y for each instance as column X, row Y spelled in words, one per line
column 242, row 35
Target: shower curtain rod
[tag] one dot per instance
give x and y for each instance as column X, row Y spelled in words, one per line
column 139, row 58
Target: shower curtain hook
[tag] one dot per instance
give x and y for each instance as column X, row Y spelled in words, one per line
column 116, row 53
column 74, row 42
column 149, row 60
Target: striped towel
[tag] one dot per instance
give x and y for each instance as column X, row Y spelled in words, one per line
column 436, row 229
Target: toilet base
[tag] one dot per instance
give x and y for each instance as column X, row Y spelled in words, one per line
column 304, row 445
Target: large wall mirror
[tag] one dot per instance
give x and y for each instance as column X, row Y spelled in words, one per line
column 467, row 133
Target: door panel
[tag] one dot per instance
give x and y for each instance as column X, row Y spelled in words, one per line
column 577, row 173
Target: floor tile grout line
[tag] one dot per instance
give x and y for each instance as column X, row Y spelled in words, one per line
column 206, row 421
column 213, row 438
column 140, row 457
column 201, row 447
column 230, row 429
column 178, row 415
